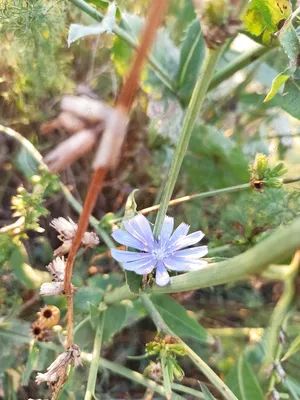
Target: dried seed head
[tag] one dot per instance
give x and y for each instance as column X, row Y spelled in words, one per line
column 63, row 249
column 71, row 356
column 155, row 371
column 57, row 269
column 49, row 316
column 38, row 331
column 66, row 229
column 90, row 239
column 52, row 289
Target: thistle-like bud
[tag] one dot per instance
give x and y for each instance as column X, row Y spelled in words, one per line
column 263, row 175
column 219, row 20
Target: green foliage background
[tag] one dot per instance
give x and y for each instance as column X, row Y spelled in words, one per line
column 37, row 69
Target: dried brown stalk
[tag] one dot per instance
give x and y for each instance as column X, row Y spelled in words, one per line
column 123, row 105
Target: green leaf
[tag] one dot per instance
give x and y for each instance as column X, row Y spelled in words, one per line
column 177, row 318
column 206, row 392
column 105, row 26
column 130, row 207
column 114, row 318
column 290, row 100
column 276, row 85
column 290, row 43
column 94, row 314
column 243, row 382
column 86, row 295
column 191, row 57
column 31, row 364
column 263, row 17
column 105, row 281
column 294, row 348
column 25, row 163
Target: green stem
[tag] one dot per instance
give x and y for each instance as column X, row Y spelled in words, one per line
column 133, row 376
column 197, row 360
column 166, row 375
column 237, row 64
column 280, row 312
column 278, row 246
column 90, row 389
column 209, row 63
column 122, row 34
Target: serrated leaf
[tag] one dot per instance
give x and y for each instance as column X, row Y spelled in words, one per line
column 178, row 320
column 290, row 99
column 290, row 43
column 114, row 318
column 105, row 26
column 294, row 348
column 206, row 392
column 263, row 17
column 276, row 85
column 86, row 295
column 191, row 57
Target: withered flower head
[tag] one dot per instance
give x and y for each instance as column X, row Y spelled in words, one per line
column 49, row 316
column 90, row 239
column 38, row 331
column 57, row 269
column 67, row 230
column 52, row 289
column 71, row 356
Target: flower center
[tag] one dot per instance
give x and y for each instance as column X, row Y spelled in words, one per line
column 159, row 254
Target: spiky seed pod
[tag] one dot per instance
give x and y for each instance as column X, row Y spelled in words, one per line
column 49, row 316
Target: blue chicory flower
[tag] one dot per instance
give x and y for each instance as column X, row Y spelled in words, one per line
column 163, row 254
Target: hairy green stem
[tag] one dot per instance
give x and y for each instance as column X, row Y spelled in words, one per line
column 122, row 34
column 90, row 389
column 206, row 73
column 197, row 360
column 278, row 246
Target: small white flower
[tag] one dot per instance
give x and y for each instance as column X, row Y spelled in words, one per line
column 57, row 269
column 90, row 239
column 70, row 356
column 52, row 288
